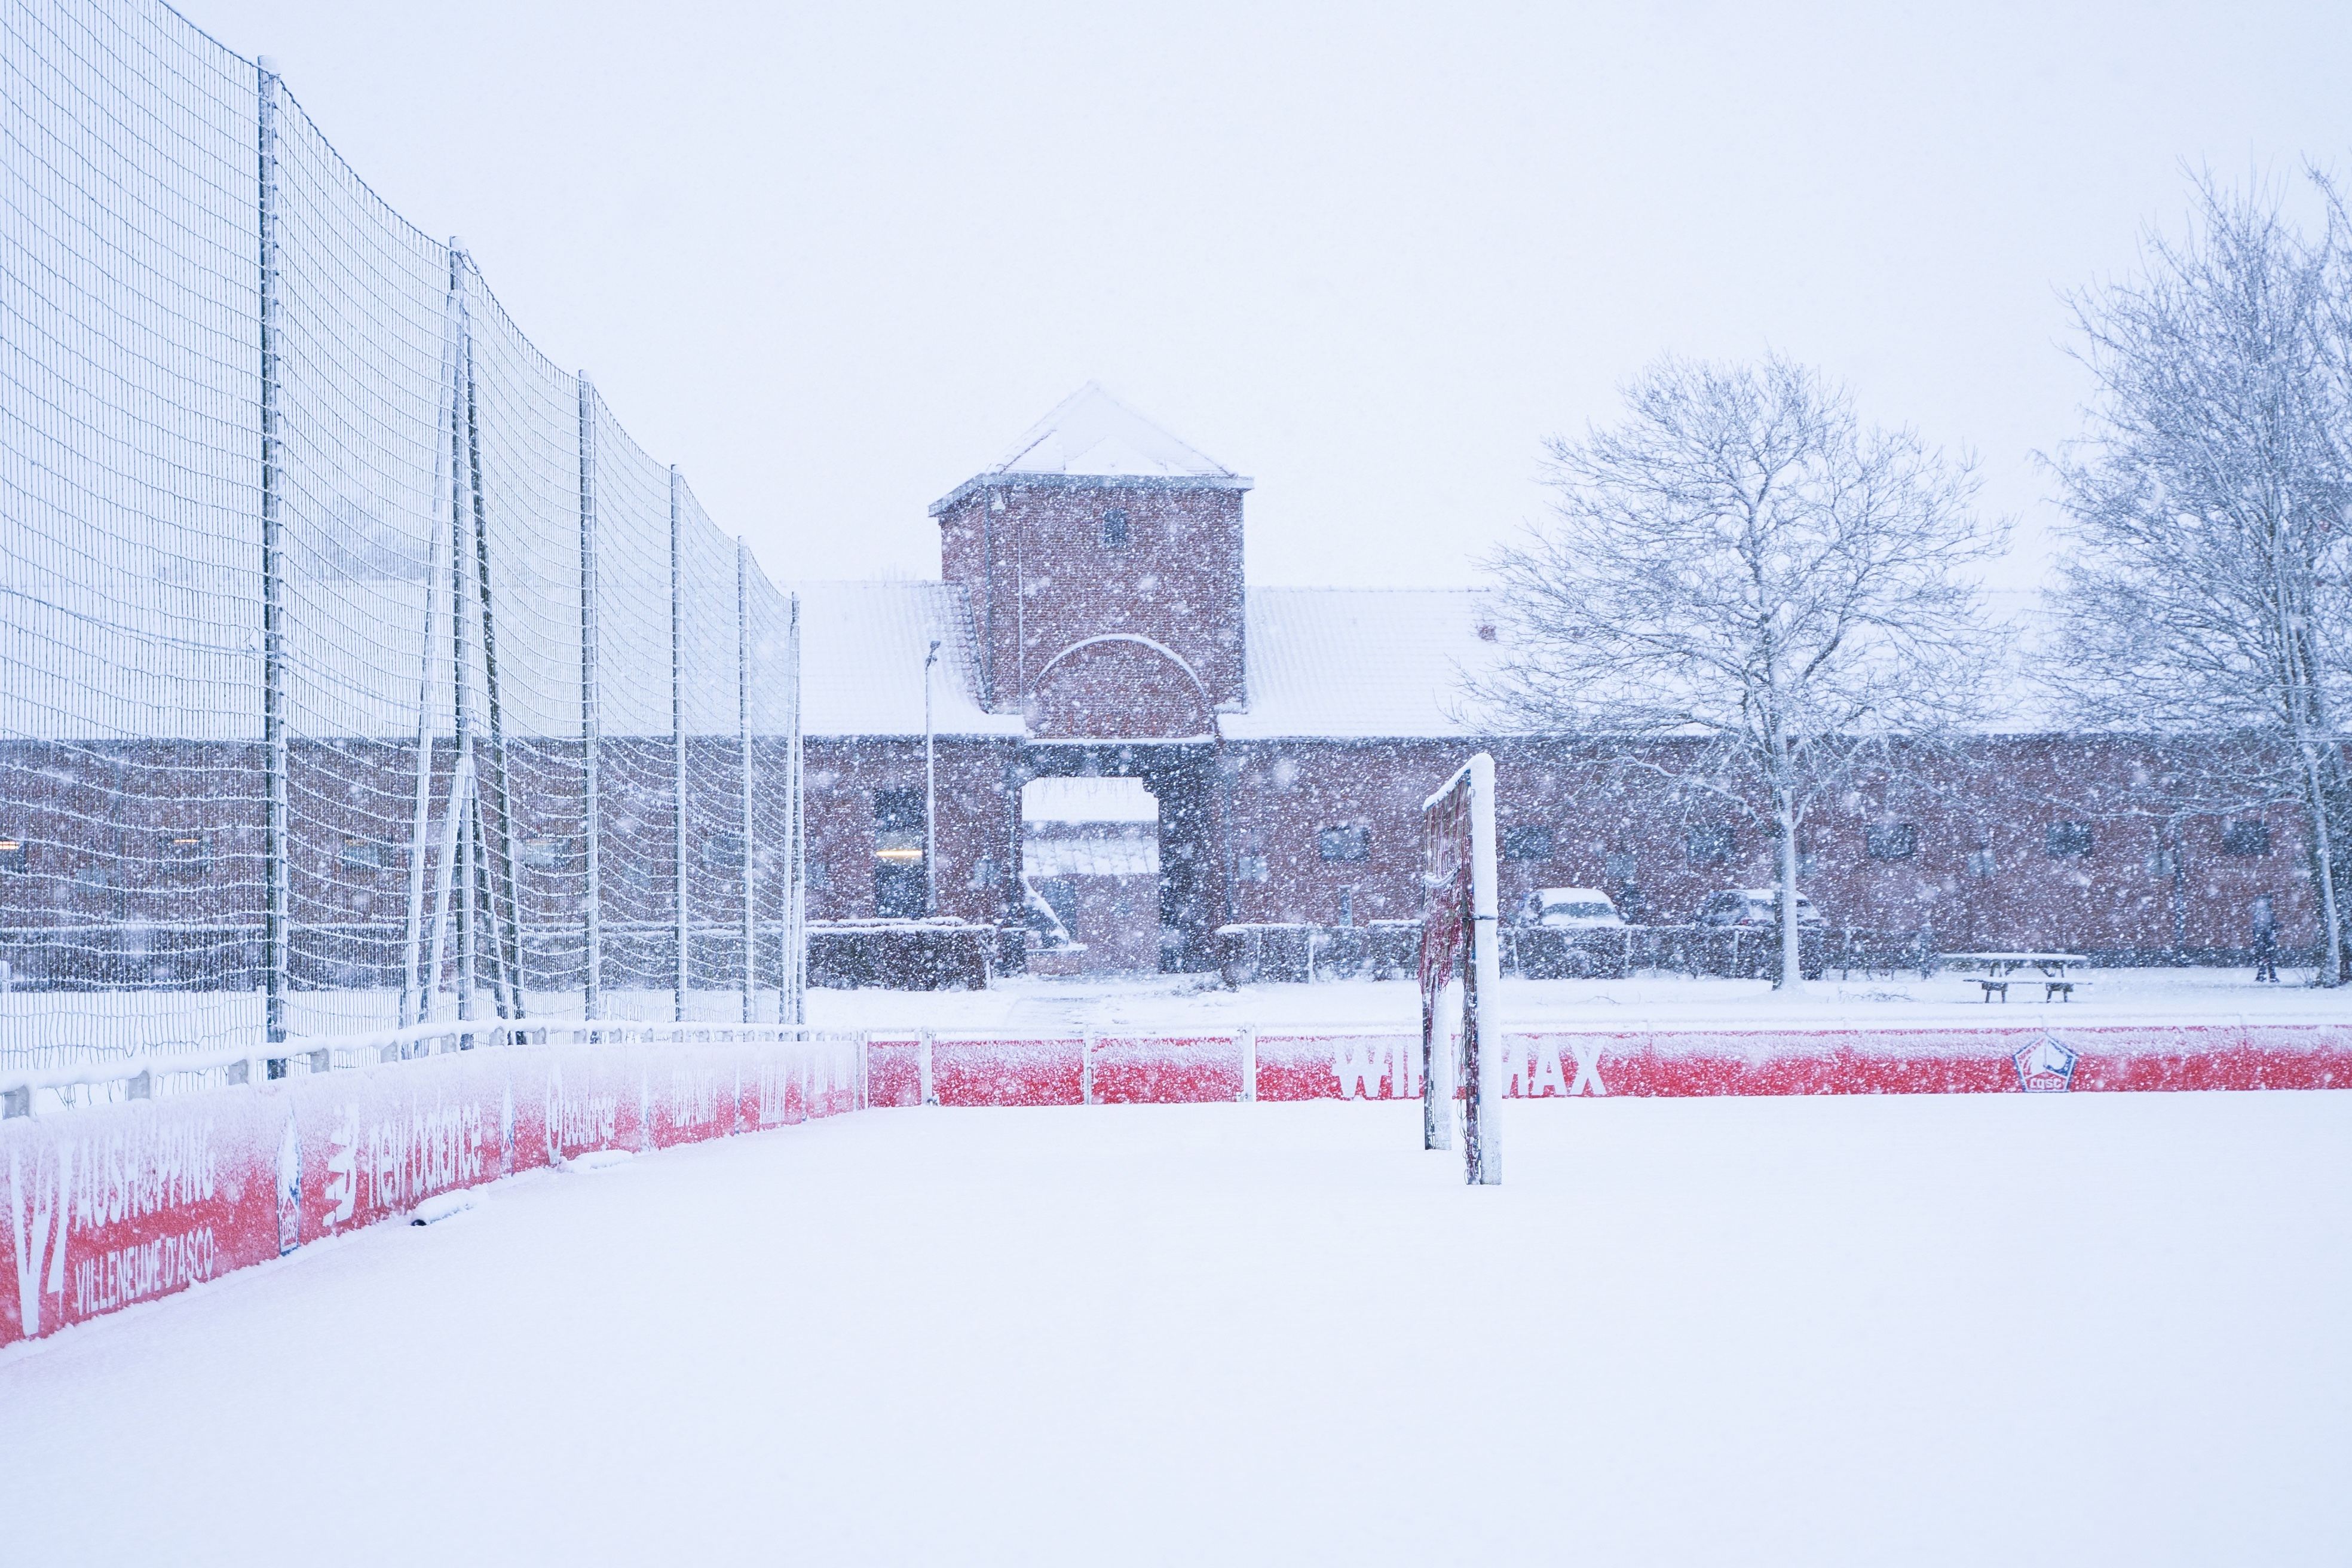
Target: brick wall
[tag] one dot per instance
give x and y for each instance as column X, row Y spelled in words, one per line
column 1041, row 576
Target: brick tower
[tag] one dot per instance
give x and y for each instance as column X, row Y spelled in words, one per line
column 1102, row 563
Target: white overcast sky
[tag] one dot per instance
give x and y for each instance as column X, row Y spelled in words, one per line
column 832, row 258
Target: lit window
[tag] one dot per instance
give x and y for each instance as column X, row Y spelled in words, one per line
column 186, row 854
column 1344, row 843
column 15, row 855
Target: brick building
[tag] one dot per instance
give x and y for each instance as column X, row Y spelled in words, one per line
column 1095, row 619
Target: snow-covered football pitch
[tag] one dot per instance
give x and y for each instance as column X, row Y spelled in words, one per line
column 1975, row 1329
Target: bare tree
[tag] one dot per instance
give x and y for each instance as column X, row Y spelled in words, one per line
column 1742, row 562
column 2206, row 602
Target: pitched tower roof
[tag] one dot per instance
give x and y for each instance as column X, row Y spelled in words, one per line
column 1091, row 437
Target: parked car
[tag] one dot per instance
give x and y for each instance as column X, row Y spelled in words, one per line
column 1576, row 908
column 1754, row 906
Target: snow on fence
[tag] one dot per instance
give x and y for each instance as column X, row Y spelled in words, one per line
column 932, row 1066
column 128, row 1201
column 352, row 656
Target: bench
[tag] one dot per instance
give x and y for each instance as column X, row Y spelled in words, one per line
column 1992, row 985
column 2062, row 990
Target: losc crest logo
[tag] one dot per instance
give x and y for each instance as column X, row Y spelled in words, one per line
column 2045, row 1067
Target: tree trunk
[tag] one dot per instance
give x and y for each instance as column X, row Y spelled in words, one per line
column 1792, row 968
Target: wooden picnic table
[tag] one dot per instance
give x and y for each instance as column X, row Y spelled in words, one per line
column 2001, row 964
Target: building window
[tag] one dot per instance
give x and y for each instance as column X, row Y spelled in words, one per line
column 899, row 892
column 1114, row 529
column 723, row 852
column 2069, row 838
column 1708, row 846
column 15, row 855
column 1981, row 864
column 1254, row 868
column 1344, row 843
column 1619, row 868
column 1526, row 844
column 1891, row 840
column 2246, row 838
column 983, row 874
column 820, row 876
column 363, row 855
column 186, row 854
column 547, row 854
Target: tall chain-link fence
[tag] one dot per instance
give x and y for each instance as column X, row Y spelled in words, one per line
column 356, row 668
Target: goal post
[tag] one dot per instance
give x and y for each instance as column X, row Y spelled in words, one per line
column 1458, row 939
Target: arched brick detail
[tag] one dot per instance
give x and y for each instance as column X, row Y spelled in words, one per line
column 1119, row 688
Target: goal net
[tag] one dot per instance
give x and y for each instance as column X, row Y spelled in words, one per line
column 1458, row 958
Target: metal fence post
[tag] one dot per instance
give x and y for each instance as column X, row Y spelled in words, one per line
column 416, row 989
column 498, row 853
column 677, row 729
column 791, row 1003
column 273, row 579
column 923, row 1042
column 592, row 935
column 743, row 740
column 1246, row 1039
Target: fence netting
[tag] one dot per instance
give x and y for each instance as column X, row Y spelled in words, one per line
column 356, row 668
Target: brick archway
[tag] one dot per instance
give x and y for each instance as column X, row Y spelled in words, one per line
column 1119, row 688
column 1182, row 778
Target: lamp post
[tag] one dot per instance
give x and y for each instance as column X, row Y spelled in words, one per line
column 930, row 792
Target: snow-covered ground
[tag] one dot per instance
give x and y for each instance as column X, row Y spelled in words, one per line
column 1178, row 1003
column 2100, row 1328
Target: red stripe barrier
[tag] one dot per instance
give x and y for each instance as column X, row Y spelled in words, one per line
column 127, row 1203
column 1178, row 1069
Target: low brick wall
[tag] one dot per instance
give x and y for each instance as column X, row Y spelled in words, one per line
column 902, row 955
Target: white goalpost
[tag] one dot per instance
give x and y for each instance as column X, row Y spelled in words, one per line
column 1458, row 946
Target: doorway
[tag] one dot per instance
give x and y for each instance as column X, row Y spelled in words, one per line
column 1090, row 874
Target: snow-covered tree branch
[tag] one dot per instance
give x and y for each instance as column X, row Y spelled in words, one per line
column 1741, row 561
column 2205, row 603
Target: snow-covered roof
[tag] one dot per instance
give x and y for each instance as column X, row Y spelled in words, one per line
column 862, row 651
column 1091, row 432
column 1323, row 662
column 1092, row 436
column 1361, row 661
column 1086, row 800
